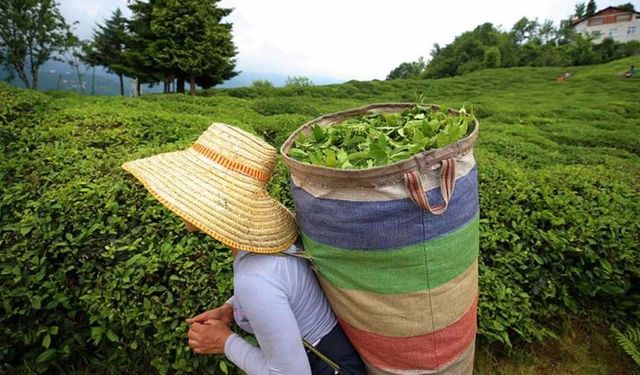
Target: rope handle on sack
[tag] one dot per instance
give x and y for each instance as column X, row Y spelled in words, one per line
column 413, row 184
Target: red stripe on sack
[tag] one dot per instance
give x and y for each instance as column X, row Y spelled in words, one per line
column 230, row 164
column 415, row 189
column 444, row 179
column 420, row 190
column 410, row 186
column 441, row 208
column 425, row 352
column 451, row 177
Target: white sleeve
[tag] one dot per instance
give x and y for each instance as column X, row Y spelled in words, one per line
column 267, row 307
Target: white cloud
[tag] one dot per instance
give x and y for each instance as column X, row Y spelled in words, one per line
column 363, row 39
column 345, row 39
column 90, row 12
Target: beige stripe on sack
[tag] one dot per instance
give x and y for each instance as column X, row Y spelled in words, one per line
column 405, row 315
column 430, row 180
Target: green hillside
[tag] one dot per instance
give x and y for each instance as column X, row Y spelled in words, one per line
column 98, row 277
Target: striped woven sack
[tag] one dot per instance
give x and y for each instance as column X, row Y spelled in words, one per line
column 395, row 248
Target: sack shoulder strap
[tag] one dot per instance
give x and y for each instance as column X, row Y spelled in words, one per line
column 324, row 358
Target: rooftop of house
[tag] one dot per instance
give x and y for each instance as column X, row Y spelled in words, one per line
column 607, row 9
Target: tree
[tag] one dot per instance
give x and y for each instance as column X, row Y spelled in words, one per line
column 580, row 50
column 492, row 58
column 607, row 50
column 262, row 84
column 580, row 10
column 547, row 33
column 298, row 81
column 192, row 41
column 591, row 8
column 565, row 32
column 87, row 57
column 75, row 60
column 107, row 48
column 148, row 50
column 525, row 30
column 466, row 53
column 412, row 69
column 32, row 32
column 628, row 6
column 139, row 59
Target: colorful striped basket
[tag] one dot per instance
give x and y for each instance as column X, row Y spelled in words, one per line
column 396, row 250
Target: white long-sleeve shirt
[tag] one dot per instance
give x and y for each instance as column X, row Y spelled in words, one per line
column 282, row 300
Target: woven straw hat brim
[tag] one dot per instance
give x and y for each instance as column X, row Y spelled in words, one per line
column 253, row 150
column 229, row 206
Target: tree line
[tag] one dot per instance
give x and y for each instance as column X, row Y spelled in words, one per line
column 528, row 43
column 163, row 41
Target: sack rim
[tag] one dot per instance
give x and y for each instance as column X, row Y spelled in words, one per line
column 376, row 176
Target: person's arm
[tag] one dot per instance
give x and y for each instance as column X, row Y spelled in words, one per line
column 267, row 307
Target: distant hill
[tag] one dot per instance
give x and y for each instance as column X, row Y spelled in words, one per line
column 56, row 75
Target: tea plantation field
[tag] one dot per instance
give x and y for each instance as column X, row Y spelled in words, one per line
column 96, row 277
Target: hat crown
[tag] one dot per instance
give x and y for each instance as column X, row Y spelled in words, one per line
column 238, row 150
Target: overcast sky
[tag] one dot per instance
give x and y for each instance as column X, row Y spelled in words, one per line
column 345, row 39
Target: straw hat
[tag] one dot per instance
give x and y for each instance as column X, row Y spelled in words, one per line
column 219, row 186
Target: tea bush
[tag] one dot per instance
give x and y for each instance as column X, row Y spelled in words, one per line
column 556, row 240
column 95, row 275
column 278, row 106
column 90, row 262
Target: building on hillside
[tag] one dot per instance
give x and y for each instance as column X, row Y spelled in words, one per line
column 618, row 24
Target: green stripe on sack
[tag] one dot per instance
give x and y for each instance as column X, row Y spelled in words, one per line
column 406, row 269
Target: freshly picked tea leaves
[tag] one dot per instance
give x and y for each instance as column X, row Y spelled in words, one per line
column 381, row 138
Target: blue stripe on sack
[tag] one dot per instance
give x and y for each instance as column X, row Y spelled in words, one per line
column 386, row 224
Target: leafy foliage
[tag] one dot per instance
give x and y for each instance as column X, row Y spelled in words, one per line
column 90, row 262
column 31, row 32
column 627, row 6
column 166, row 40
column 528, row 43
column 298, row 81
column 381, row 138
column 191, row 38
column 492, row 57
column 277, row 106
column 629, row 341
column 408, row 70
column 95, row 264
column 262, row 84
column 580, row 10
column 108, row 46
column 591, row 8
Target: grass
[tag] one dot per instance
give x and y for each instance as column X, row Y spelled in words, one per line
column 582, row 347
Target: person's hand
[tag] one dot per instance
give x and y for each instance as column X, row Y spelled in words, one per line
column 209, row 337
column 223, row 313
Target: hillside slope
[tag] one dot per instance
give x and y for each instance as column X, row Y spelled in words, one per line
column 96, row 274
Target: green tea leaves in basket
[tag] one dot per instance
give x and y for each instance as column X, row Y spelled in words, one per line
column 381, row 138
